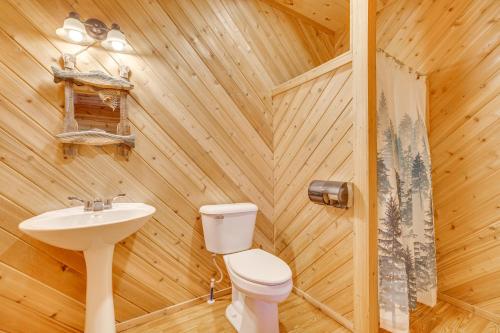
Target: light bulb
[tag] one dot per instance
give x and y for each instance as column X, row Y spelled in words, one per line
column 117, row 45
column 75, row 35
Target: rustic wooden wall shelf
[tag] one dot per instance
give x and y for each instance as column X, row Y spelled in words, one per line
column 96, row 108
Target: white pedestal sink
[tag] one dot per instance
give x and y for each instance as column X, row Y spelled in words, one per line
column 94, row 233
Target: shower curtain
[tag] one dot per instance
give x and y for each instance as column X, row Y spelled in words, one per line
column 406, row 249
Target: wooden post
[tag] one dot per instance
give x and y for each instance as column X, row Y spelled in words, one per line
column 70, row 123
column 363, row 19
column 123, row 126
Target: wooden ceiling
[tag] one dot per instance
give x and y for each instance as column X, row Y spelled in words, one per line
column 331, row 14
column 426, row 35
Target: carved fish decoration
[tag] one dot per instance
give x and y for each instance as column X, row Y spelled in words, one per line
column 93, row 78
column 96, row 137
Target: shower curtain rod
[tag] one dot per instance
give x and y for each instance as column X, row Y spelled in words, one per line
column 402, row 64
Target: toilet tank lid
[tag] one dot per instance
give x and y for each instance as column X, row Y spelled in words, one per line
column 233, row 208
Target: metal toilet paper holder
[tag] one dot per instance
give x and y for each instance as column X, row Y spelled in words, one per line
column 331, row 193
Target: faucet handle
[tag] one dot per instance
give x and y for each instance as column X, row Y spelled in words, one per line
column 87, row 204
column 119, row 196
column 108, row 203
column 76, row 198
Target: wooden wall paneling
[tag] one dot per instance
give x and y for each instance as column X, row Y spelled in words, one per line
column 16, row 159
column 313, row 127
column 340, row 60
column 14, row 315
column 309, row 34
column 192, row 118
column 32, row 294
column 249, row 102
column 201, row 114
column 291, row 41
column 265, row 210
column 291, row 31
column 305, row 94
column 338, row 105
column 464, row 130
column 227, row 103
column 464, row 29
column 247, row 62
column 337, row 280
column 265, row 51
column 334, row 158
column 280, row 46
column 343, row 43
column 216, row 130
column 294, row 237
column 459, row 54
column 286, row 150
column 49, row 184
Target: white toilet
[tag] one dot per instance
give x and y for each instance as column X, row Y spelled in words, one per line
column 259, row 279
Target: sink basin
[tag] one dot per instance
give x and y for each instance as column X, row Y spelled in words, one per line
column 74, row 229
column 94, row 233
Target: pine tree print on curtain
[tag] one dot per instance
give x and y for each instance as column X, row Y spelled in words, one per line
column 406, row 248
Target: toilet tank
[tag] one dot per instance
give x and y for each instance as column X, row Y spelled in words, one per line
column 228, row 228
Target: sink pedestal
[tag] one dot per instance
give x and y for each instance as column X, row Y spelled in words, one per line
column 94, row 233
column 99, row 309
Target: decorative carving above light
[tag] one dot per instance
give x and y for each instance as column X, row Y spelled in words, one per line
column 87, row 32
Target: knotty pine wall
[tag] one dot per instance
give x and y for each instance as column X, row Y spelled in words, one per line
column 201, row 110
column 313, row 140
column 456, row 44
column 465, row 141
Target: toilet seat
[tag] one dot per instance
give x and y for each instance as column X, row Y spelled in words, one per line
column 259, row 267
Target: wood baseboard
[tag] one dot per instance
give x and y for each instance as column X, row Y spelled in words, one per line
column 148, row 317
column 325, row 309
column 470, row 308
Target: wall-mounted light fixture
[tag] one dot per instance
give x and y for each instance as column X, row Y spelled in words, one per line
column 86, row 32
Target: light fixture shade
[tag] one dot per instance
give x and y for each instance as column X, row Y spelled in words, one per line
column 115, row 41
column 73, row 31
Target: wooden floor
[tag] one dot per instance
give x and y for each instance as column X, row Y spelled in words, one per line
column 445, row 317
column 296, row 315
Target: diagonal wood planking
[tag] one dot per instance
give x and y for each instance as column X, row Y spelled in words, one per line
column 201, row 110
column 313, row 129
column 332, row 14
column 456, row 44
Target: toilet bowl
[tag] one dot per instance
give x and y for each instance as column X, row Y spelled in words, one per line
column 259, row 279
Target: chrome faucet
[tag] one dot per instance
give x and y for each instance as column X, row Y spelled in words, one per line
column 108, row 203
column 96, row 205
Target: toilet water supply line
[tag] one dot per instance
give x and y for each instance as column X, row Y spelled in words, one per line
column 211, row 299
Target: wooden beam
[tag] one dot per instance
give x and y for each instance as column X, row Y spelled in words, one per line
column 324, row 68
column 152, row 316
column 325, row 309
column 470, row 308
column 363, row 20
